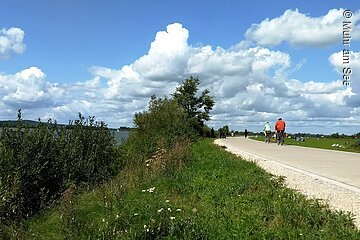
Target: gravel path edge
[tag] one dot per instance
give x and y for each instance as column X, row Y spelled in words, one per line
column 337, row 195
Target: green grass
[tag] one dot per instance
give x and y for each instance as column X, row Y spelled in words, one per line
column 324, row 143
column 215, row 196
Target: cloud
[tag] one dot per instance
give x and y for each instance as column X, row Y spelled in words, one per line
column 301, row 30
column 11, row 41
column 353, row 63
column 27, row 88
column 167, row 54
column 250, row 84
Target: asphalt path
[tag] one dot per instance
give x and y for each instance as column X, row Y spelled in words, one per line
column 337, row 167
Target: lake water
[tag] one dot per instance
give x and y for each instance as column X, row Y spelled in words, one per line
column 121, row 136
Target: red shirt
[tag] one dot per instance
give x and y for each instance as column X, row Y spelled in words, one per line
column 280, row 125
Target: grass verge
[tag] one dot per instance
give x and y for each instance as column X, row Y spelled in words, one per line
column 215, row 196
column 341, row 144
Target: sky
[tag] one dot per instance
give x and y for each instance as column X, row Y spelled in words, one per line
column 261, row 60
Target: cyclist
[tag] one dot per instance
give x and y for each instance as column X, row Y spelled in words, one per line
column 280, row 129
column 267, row 132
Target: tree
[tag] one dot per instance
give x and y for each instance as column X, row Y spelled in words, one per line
column 224, row 129
column 197, row 108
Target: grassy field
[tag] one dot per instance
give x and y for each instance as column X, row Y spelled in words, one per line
column 347, row 144
column 215, row 196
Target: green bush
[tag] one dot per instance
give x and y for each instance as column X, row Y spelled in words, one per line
column 89, row 155
column 37, row 164
column 161, row 127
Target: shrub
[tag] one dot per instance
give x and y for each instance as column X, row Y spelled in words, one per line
column 89, row 155
column 37, row 164
column 162, row 126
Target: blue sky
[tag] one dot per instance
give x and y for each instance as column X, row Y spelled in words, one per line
column 91, row 56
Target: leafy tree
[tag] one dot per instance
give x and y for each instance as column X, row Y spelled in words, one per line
column 197, row 107
column 335, row 135
column 224, row 129
column 357, row 135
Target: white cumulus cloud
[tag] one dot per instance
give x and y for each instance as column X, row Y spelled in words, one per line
column 27, row 87
column 352, row 62
column 11, row 41
column 299, row 29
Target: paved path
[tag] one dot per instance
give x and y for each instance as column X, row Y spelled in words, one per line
column 340, row 168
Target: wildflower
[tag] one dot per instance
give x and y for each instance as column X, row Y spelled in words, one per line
column 143, row 190
column 167, row 200
column 145, row 226
column 136, row 214
column 103, row 220
column 178, row 210
column 117, row 216
column 172, row 218
column 169, row 209
column 160, row 210
column 194, row 210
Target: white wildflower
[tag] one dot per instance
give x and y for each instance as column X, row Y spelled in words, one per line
column 178, row 210
column 167, row 200
column 136, row 214
column 160, row 210
column 169, row 209
column 172, row 218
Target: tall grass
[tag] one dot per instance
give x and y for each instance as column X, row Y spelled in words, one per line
column 343, row 144
column 215, row 195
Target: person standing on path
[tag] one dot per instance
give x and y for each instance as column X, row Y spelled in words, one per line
column 280, row 129
column 246, row 133
column 267, row 132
